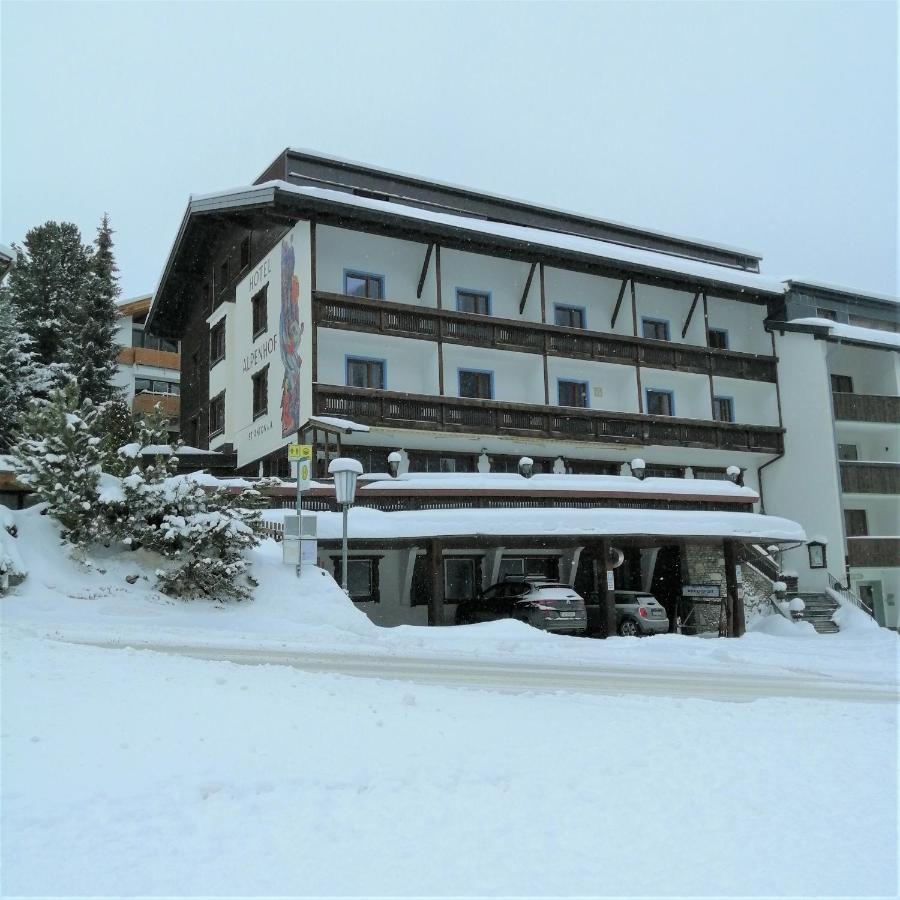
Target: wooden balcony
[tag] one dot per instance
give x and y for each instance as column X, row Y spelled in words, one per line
column 871, row 552
column 161, row 359
column 146, row 401
column 870, row 477
column 457, row 414
column 866, row 408
column 429, row 324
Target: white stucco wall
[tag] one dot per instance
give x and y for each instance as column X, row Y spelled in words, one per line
column 690, row 389
column 873, row 371
column 518, row 377
column 504, row 279
column 743, row 322
column 755, row 402
column 596, row 294
column 610, row 386
column 672, row 306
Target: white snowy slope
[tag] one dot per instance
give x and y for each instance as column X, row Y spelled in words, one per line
column 130, row 771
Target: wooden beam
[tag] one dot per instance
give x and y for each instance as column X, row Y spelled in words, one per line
column 527, row 288
column 619, row 299
column 690, row 314
column 712, row 387
column 546, row 338
column 734, row 604
column 440, row 342
column 424, row 271
column 637, row 361
column 606, row 596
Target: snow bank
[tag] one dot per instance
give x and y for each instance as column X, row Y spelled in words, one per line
column 779, row 626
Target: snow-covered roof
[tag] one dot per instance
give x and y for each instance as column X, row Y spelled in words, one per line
column 654, row 260
column 340, row 424
column 840, row 289
column 373, row 524
column 517, row 200
column 563, row 483
column 853, row 332
column 7, row 252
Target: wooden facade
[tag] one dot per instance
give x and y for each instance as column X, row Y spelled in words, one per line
column 870, row 477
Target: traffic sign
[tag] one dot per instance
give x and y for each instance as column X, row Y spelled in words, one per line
column 296, row 452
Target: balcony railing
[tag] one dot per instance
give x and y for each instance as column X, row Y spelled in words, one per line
column 870, row 477
column 160, row 359
column 429, row 324
column 392, row 409
column 871, row 552
column 146, row 402
column 866, row 408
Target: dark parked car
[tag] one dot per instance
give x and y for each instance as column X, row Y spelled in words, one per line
column 539, row 602
column 637, row 613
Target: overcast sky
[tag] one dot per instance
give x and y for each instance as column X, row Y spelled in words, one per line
column 768, row 126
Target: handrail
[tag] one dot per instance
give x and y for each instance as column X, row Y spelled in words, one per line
column 848, row 595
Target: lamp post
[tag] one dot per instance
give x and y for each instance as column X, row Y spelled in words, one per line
column 345, row 472
column 526, row 466
column 638, row 468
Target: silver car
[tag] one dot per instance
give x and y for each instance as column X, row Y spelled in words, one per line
column 637, row 613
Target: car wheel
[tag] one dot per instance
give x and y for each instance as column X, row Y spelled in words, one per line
column 629, row 628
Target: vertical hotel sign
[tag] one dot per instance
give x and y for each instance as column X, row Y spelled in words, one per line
column 290, row 330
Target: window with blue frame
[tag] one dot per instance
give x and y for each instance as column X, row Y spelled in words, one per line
column 364, row 284
column 660, row 403
column 365, row 373
column 723, row 409
column 655, row 329
column 573, row 393
column 478, row 302
column 476, row 384
column 718, row 338
column 568, row 316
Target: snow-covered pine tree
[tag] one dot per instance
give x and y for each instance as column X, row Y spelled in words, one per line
column 94, row 320
column 47, row 284
column 116, row 426
column 58, row 455
column 22, row 378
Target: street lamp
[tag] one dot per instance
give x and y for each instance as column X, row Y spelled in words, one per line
column 638, row 468
column 345, row 472
column 526, row 466
column 394, row 459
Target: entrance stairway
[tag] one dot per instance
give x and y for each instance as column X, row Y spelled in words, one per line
column 818, row 612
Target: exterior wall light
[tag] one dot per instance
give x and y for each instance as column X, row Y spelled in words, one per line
column 817, row 555
column 526, row 466
column 638, row 468
column 394, row 463
column 345, row 472
column 735, row 474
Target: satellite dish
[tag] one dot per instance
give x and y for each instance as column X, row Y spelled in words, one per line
column 614, row 558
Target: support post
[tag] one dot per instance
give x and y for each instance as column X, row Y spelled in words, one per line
column 436, row 595
column 345, row 509
column 528, row 281
column 421, row 284
column 734, row 604
column 690, row 315
column 619, row 299
column 605, row 595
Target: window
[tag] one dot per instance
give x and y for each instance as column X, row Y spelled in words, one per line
column 878, row 324
column 362, row 284
column 829, row 314
column 260, row 311
column 365, row 373
column 217, row 342
column 459, row 579
column 423, row 461
column 711, row 474
column 568, row 316
column 245, row 253
column 261, row 392
column 660, row 403
column 848, row 451
column 573, row 393
column 155, row 386
column 655, row 329
column 546, row 566
column 842, row 384
column 479, row 385
column 856, row 522
column 718, row 338
column 723, row 409
column 142, row 338
column 653, row 471
column 478, row 302
column 362, row 578
column 217, row 415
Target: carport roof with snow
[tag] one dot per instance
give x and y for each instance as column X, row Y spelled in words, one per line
column 545, row 527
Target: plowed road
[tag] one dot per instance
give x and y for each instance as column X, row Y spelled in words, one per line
column 510, row 676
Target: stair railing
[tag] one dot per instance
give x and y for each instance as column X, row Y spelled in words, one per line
column 848, row 595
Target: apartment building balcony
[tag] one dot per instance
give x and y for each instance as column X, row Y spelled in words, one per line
column 457, row 414
column 146, row 402
column 427, row 323
column 866, row 408
column 870, row 477
column 160, row 359
column 873, row 552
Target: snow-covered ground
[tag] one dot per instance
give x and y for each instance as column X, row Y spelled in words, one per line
column 130, row 771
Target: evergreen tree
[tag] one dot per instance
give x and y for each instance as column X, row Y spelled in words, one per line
column 22, row 379
column 58, row 456
column 49, row 283
column 95, row 319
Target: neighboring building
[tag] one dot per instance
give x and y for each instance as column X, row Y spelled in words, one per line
column 149, row 366
column 7, row 260
column 839, row 359
column 344, row 304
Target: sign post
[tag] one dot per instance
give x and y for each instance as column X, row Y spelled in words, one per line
column 302, row 455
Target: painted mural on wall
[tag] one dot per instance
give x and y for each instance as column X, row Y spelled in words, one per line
column 290, row 330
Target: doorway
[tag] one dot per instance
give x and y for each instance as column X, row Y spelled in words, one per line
column 871, row 594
